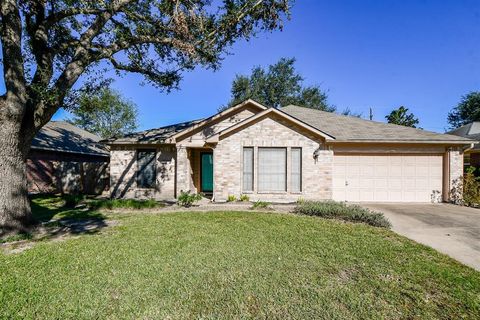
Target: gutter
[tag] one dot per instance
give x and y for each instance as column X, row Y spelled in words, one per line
column 454, row 142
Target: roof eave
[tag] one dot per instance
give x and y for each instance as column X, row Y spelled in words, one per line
column 447, row 142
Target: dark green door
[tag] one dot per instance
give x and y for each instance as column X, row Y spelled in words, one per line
column 207, row 172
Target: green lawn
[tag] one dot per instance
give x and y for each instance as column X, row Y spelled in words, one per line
column 235, row 265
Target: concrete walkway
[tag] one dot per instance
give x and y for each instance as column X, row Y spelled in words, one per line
column 450, row 229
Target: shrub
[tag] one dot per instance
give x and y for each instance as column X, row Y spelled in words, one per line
column 231, row 198
column 186, row 199
column 244, row 198
column 260, row 205
column 471, row 188
column 342, row 211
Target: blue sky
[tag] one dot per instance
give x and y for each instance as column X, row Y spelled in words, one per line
column 423, row 54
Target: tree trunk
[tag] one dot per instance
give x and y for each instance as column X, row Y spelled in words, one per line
column 15, row 211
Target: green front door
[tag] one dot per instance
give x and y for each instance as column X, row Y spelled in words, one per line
column 207, row 171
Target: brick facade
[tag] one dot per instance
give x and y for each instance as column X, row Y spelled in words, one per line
column 123, row 168
column 454, row 157
column 269, row 132
column 178, row 166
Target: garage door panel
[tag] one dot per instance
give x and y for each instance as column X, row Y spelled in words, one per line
column 381, row 183
column 367, row 183
column 367, row 195
column 381, row 170
column 367, row 171
column 383, row 178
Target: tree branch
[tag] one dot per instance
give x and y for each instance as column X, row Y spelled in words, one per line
column 13, row 70
column 74, row 69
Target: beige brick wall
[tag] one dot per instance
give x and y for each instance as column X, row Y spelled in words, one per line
column 455, row 156
column 123, row 166
column 197, row 138
column 269, row 132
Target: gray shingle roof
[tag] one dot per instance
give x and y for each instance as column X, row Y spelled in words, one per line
column 64, row 137
column 157, row 135
column 470, row 131
column 348, row 128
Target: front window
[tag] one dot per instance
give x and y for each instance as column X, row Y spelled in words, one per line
column 248, row 169
column 272, row 169
column 296, row 170
column 146, row 168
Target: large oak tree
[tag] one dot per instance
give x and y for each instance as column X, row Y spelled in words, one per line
column 48, row 45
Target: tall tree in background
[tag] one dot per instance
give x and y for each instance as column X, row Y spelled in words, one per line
column 401, row 117
column 47, row 45
column 105, row 113
column 278, row 86
column 468, row 110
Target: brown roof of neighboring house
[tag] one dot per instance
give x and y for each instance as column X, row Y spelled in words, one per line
column 470, row 131
column 349, row 128
column 62, row 136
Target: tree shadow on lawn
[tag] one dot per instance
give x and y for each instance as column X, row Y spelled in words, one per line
column 56, row 218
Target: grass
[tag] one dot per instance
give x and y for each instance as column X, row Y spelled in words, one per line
column 124, row 204
column 342, row 211
column 46, row 207
column 260, row 205
column 235, row 265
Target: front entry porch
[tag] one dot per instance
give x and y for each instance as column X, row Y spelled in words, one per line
column 195, row 170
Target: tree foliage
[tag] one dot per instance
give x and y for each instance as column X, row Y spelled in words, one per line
column 48, row 45
column 401, row 117
column 105, row 113
column 277, row 86
column 64, row 40
column 468, row 110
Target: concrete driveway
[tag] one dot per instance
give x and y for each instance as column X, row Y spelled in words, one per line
column 450, row 229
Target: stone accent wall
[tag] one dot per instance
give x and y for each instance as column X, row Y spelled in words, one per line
column 272, row 132
column 123, row 168
column 455, row 155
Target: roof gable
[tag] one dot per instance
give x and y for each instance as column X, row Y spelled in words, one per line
column 247, row 104
column 268, row 112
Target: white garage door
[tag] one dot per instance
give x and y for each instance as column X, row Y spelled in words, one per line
column 387, row 178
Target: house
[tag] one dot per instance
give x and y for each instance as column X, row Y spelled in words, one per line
column 286, row 154
column 471, row 131
column 66, row 159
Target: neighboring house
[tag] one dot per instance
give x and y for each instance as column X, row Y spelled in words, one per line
column 66, row 159
column 471, row 131
column 284, row 155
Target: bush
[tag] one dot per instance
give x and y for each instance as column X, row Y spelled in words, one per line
column 244, row 198
column 471, row 188
column 187, row 199
column 231, row 198
column 342, row 211
column 260, row 205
